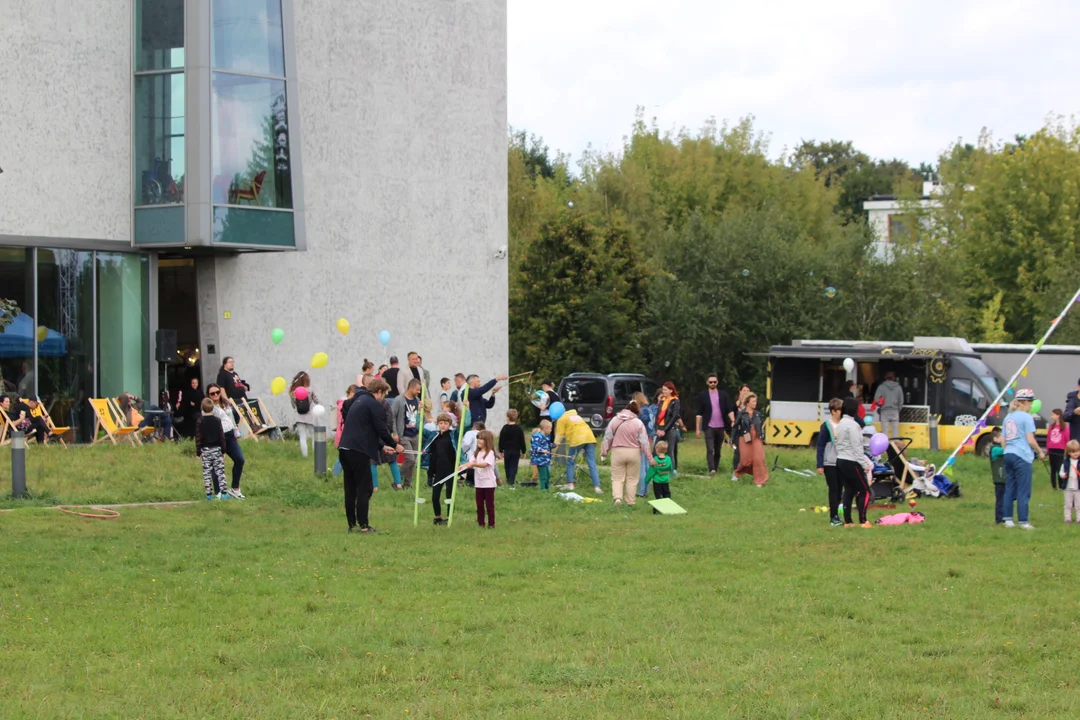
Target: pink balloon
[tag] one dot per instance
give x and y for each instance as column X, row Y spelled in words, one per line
column 301, row 393
column 879, row 443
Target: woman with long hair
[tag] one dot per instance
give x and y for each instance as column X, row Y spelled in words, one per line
column 367, row 370
column 667, row 422
column 849, row 462
column 224, row 412
column 305, row 418
column 750, row 431
column 740, row 403
column 647, row 416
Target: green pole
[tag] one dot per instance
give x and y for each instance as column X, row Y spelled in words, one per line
column 457, row 463
column 420, row 430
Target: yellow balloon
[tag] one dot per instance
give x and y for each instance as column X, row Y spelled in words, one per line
column 42, row 333
column 319, row 360
column 277, row 385
column 343, row 326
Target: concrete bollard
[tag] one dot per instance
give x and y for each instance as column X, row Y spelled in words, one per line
column 933, row 432
column 18, row 464
column 320, row 450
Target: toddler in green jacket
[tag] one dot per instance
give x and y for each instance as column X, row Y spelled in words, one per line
column 660, row 473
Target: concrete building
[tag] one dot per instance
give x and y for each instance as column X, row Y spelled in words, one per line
column 891, row 219
column 225, row 167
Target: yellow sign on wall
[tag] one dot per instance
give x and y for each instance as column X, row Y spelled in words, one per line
column 228, row 314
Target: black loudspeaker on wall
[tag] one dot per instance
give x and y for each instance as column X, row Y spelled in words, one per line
column 166, row 346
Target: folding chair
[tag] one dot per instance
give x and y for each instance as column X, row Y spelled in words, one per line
column 55, row 432
column 7, row 427
column 136, row 420
column 262, row 418
column 104, row 419
column 246, row 423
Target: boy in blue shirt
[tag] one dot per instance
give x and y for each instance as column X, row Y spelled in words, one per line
column 540, row 453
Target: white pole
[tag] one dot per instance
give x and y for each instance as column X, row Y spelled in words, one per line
column 1038, row 346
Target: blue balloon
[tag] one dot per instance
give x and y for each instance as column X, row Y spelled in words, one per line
column 384, row 337
column 868, row 420
column 556, row 410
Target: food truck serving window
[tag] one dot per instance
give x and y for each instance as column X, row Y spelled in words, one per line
column 796, row 379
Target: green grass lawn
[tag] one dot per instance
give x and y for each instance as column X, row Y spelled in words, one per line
column 745, row 607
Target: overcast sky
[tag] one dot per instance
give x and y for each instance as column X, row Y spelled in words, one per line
column 898, row 79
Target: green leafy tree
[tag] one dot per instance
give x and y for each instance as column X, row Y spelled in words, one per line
column 577, row 302
column 1011, row 214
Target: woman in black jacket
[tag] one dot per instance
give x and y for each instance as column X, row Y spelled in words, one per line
column 667, row 421
column 364, row 438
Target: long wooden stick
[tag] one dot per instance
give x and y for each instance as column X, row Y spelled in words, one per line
column 457, row 463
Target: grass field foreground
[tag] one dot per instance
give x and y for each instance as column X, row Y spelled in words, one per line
column 745, row 607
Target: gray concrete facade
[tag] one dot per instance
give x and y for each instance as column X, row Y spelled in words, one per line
column 65, row 121
column 403, row 129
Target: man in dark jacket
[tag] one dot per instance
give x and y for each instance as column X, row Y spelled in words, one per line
column 1072, row 412
column 364, row 437
column 230, row 381
column 717, row 414
column 478, row 404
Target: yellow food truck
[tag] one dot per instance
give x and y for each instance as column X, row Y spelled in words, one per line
column 946, row 384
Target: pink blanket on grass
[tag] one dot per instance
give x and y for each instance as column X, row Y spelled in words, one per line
column 904, row 518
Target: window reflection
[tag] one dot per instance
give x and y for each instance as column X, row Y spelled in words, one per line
column 250, row 146
column 17, row 341
column 159, row 34
column 247, row 37
column 159, row 138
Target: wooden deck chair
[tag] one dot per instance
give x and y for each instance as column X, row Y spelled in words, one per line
column 245, row 423
column 136, row 420
column 104, row 419
column 55, row 432
column 261, row 416
column 7, row 427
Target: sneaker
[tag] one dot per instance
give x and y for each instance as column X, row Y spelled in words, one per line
column 369, row 530
column 224, row 496
column 1009, row 524
column 235, row 492
column 438, row 521
column 211, row 497
column 1027, row 526
column 734, row 477
column 711, row 473
column 570, row 486
column 835, row 522
column 396, row 487
column 618, row 501
column 849, row 524
column 866, row 525
column 597, row 490
column 353, row 529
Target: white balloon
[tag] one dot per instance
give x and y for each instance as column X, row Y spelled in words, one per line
column 849, row 364
column 318, row 411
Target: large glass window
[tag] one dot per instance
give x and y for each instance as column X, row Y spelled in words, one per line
column 123, row 282
column 66, row 338
column 247, row 37
column 159, row 138
column 17, row 340
column 250, row 146
column 159, row 34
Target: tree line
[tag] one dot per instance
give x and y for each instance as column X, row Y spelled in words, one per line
column 685, row 253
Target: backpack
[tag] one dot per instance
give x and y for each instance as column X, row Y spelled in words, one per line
column 303, row 407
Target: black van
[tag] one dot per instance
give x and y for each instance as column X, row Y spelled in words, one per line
column 598, row 397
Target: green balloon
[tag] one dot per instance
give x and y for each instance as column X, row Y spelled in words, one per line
column 1036, row 406
column 277, row 335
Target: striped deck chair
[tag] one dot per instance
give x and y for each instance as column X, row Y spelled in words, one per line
column 115, row 430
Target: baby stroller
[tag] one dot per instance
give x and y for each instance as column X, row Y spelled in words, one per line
column 892, row 479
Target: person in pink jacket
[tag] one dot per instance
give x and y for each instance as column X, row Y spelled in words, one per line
column 1057, row 437
column 627, row 440
column 482, row 462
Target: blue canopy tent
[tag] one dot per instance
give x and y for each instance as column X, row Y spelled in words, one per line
column 18, row 338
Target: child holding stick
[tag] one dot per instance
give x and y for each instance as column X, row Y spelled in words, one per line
column 484, row 478
column 540, row 453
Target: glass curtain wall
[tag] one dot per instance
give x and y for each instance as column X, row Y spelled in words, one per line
column 65, row 335
column 159, row 126
column 17, row 340
column 82, row 299
column 249, row 147
column 123, row 282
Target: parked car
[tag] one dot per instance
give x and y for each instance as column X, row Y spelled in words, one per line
column 598, row 397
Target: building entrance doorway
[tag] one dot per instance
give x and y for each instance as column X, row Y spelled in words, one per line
column 178, row 311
